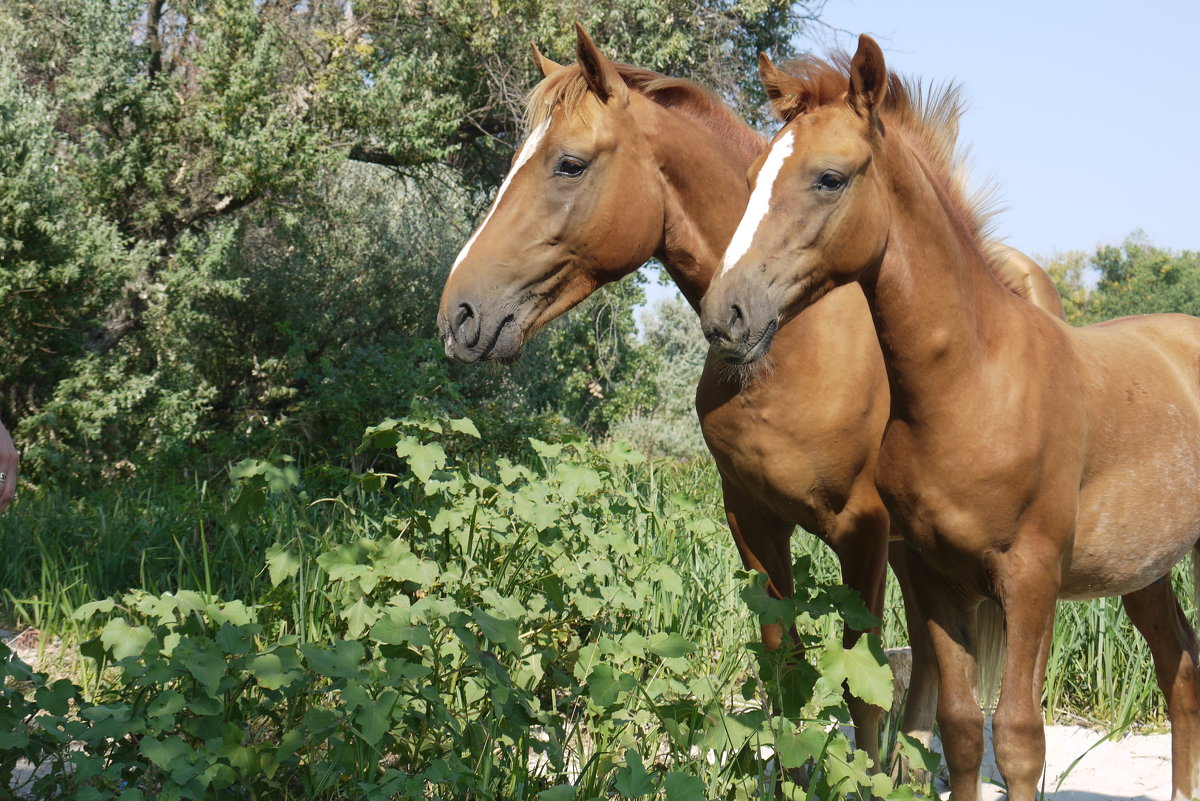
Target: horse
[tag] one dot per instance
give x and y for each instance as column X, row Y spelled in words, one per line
column 622, row 164
column 1025, row 460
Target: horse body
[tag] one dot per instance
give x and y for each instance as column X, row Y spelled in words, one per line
column 1025, row 461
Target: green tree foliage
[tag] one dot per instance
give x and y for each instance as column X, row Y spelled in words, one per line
column 662, row 419
column 186, row 246
column 1133, row 278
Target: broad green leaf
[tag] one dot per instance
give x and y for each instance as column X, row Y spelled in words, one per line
column 88, row 610
column 375, row 719
column 282, row 563
column 852, row 608
column 168, row 702
column 341, row 661
column 55, row 698
column 123, row 640
column 165, row 753
column 603, row 685
column 632, row 781
column 500, row 631
column 796, row 748
column 464, row 425
column 864, row 668
column 682, row 787
column 545, row 449
column 268, row 671
column 563, row 792
column 670, row 646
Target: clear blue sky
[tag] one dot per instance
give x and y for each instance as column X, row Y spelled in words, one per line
column 1086, row 115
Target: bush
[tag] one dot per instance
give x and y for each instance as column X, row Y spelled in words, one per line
column 539, row 631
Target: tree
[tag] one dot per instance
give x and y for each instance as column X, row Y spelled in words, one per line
column 167, row 163
column 661, row 418
column 1133, row 278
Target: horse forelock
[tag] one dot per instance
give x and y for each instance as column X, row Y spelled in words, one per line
column 565, row 90
column 929, row 115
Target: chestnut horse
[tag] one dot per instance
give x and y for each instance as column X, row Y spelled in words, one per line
column 623, row 164
column 1025, row 460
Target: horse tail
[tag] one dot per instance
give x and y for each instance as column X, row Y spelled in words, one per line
column 1196, row 579
column 990, row 647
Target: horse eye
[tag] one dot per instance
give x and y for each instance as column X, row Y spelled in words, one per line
column 570, row 167
column 831, row 181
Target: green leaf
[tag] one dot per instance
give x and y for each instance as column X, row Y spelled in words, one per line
column 123, row 640
column 670, row 646
column 374, row 719
column 545, row 449
column 500, row 631
column 56, row 698
column 796, row 748
column 282, row 563
column 268, row 671
column 342, row 661
column 682, row 787
column 165, row 753
column 852, row 608
column 864, row 668
column 632, row 781
column 562, row 792
column 88, row 610
column 423, row 458
column 604, row 685
column 168, row 702
column 464, row 425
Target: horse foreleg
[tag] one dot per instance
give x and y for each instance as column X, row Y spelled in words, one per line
column 950, row 624
column 764, row 542
column 920, row 704
column 1027, row 584
column 1156, row 613
column 860, row 542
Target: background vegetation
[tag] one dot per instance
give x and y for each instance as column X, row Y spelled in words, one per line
column 224, row 227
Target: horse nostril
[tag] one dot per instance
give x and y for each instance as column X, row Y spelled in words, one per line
column 736, row 319
column 466, row 324
column 465, row 312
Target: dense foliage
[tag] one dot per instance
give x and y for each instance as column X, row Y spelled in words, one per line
column 543, row 630
column 224, row 216
column 1134, row 277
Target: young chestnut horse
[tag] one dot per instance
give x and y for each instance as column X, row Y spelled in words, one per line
column 623, row 164
column 1025, row 460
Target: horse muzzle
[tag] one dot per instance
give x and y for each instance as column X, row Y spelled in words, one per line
column 470, row 335
column 739, row 332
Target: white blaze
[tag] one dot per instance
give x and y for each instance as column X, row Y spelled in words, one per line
column 527, row 150
column 760, row 201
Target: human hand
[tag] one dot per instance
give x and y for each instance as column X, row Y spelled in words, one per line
column 8, row 468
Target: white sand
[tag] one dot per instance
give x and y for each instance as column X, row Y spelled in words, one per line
column 1136, row 767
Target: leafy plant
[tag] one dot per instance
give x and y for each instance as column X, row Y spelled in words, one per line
column 498, row 635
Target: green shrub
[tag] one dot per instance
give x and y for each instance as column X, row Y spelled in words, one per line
column 537, row 630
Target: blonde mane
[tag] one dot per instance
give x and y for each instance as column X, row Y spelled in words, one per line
column 565, row 90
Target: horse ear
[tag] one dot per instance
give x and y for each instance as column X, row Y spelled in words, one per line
column 787, row 93
column 868, row 78
column 546, row 66
column 601, row 76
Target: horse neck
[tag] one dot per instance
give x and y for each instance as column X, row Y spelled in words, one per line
column 705, row 188
column 937, row 307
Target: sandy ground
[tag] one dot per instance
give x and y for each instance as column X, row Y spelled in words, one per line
column 1136, row 767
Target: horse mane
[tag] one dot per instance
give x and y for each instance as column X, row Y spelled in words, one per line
column 928, row 114
column 566, row 88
